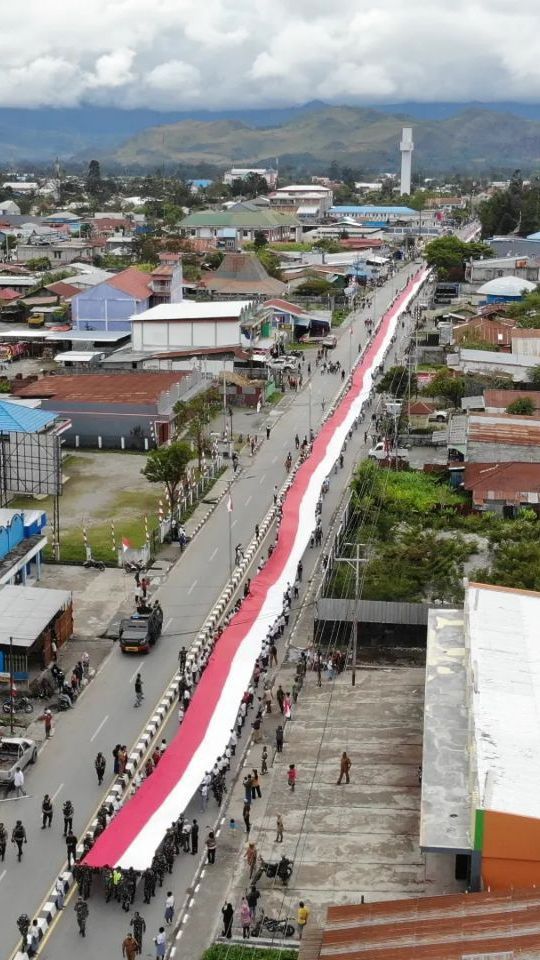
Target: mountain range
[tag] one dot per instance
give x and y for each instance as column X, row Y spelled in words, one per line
column 448, row 137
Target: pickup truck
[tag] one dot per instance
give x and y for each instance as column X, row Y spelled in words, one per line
column 381, row 451
column 140, row 632
column 15, row 752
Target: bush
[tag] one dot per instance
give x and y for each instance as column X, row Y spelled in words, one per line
column 223, row 951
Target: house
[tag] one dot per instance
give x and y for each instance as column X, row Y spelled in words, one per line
column 179, row 326
column 22, row 541
column 58, row 252
column 32, row 618
column 419, row 411
column 281, row 313
column 242, row 274
column 382, row 215
column 480, row 271
column 503, row 488
column 112, row 304
column 502, row 438
column 495, row 330
column 232, row 228
column 499, row 925
column 241, row 173
column 9, row 207
column 128, row 410
column 308, row 201
column 506, row 289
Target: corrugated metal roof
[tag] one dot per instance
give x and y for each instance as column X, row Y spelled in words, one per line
column 239, row 218
column 503, row 428
column 16, row 418
column 143, row 386
column 510, row 482
column 26, row 611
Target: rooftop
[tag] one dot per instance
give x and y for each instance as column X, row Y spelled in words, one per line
column 141, row 387
column 503, row 398
column 194, row 310
column 242, row 273
column 503, row 428
column 26, row 611
column 506, row 287
column 132, row 281
column 510, row 482
column 15, row 418
column 373, row 209
column 242, row 219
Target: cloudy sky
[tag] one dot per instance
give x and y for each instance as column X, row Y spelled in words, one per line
column 178, row 54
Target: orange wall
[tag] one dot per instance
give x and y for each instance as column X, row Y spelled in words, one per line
column 510, row 851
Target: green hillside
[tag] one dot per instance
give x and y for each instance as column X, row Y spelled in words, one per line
column 474, row 139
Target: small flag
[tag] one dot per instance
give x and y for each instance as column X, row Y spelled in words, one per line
column 229, row 504
column 126, row 544
column 259, row 405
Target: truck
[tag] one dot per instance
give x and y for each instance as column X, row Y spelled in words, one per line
column 140, row 632
column 382, row 451
column 15, row 752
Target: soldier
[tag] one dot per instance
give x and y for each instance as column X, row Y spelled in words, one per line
column 139, row 927
column 108, row 883
column 168, row 854
column 159, row 864
column 100, row 763
column 3, row 842
column 68, row 811
column 81, row 910
column 149, row 884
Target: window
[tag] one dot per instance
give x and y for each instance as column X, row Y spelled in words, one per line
column 245, row 233
column 57, row 254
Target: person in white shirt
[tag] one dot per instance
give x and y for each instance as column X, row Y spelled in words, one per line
column 18, row 782
column 161, row 943
column 169, row 909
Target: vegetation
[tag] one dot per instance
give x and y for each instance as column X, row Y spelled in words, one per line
column 168, row 466
column 516, row 209
column 523, row 405
column 314, row 287
column 514, row 554
column 449, row 255
column 270, row 261
column 398, row 381
column 193, row 418
column 339, row 315
column 226, row 951
column 527, row 311
column 447, row 386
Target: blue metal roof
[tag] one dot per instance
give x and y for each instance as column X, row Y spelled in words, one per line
column 16, row 418
column 373, row 210
column 533, row 236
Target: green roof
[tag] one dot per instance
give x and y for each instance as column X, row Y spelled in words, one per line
column 239, row 218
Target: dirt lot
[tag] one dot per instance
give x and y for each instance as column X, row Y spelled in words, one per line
column 100, row 487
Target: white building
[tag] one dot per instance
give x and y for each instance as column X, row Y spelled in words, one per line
column 178, row 326
column 242, row 173
column 307, row 200
column 406, row 146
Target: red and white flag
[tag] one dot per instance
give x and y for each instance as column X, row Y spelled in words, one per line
column 126, row 544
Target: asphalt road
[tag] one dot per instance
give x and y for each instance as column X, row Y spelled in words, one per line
column 105, row 716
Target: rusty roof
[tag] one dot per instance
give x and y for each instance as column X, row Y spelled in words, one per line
column 515, row 482
column 132, row 281
column 504, row 428
column 503, row 398
column 525, row 333
column 430, row 928
column 143, row 386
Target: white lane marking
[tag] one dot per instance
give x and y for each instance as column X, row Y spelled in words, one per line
column 197, row 887
column 136, row 671
column 185, row 918
column 233, row 524
column 2, row 875
column 213, row 554
column 167, row 625
column 192, row 587
column 263, row 478
column 274, row 460
column 102, row 724
column 173, row 951
column 248, row 500
column 54, row 796
column 203, row 871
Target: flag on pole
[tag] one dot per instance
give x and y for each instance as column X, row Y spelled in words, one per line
column 229, row 504
column 259, row 405
column 126, row 544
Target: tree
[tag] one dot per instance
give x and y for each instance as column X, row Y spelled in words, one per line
column 534, row 377
column 327, row 245
column 447, row 386
column 194, row 417
column 259, row 240
column 167, row 465
column 398, row 381
column 93, row 179
column 449, row 255
column 270, row 262
column 523, row 405
column 314, row 287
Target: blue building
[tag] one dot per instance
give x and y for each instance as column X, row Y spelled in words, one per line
column 374, row 214
column 22, row 541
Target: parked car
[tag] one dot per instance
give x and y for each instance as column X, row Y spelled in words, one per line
column 438, row 416
column 140, row 632
column 381, row 451
column 15, row 752
column 330, row 342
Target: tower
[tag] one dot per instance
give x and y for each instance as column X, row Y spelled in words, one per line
column 406, row 146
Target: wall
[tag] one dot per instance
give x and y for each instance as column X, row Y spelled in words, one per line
column 179, row 334
column 105, row 308
column 11, row 534
column 510, row 850
column 106, row 420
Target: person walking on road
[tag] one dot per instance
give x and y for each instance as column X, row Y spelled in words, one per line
column 251, row 858
column 139, row 927
column 245, row 918
column 279, row 739
column 291, row 776
column 139, row 695
column 18, row 783
column 3, row 842
column 100, row 763
column 302, row 917
column 47, row 721
column 169, row 908
column 344, row 768
column 81, row 911
column 161, row 943
column 68, row 811
column 71, row 847
column 279, row 828
column 227, row 913
column 18, row 837
column 46, row 811
column 194, row 837
column 211, row 847
column 130, row 947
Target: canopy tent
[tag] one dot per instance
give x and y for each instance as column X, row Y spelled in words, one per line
column 137, row 830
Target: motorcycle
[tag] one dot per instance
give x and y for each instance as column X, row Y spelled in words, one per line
column 63, row 702
column 278, row 928
column 283, row 870
column 91, row 563
column 18, row 705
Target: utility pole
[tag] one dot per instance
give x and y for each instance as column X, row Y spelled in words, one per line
column 12, row 702
column 309, row 398
column 355, row 563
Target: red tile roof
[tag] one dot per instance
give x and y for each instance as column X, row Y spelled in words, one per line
column 8, row 294
column 63, row 289
column 285, row 306
column 421, row 408
column 142, row 386
column 429, row 928
column 514, row 482
column 133, row 282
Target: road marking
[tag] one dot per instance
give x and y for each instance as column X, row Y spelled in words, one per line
column 263, row 478
column 167, row 625
column 173, row 951
column 192, row 587
column 2, row 875
column 248, row 500
column 191, row 902
column 185, row 918
column 102, row 724
column 179, row 934
column 54, row 796
column 274, row 460
column 136, row 671
column 213, row 554
column 197, row 886
column 233, row 524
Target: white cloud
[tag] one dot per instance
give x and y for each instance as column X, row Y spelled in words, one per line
column 223, row 53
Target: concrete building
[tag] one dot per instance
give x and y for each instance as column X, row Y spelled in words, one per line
column 480, row 271
column 22, row 541
column 191, row 324
column 406, row 147
column 58, row 252
column 229, row 229
column 241, row 173
column 380, row 215
column 308, row 201
column 480, row 784
column 502, row 438
column 133, row 410
column 33, row 618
